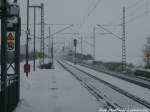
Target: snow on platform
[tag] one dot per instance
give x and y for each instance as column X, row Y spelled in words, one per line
column 54, row 91
column 134, row 89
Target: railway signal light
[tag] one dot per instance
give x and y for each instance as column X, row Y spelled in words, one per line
column 75, row 54
column 75, row 42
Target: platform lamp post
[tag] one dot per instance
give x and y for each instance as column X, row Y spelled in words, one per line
column 34, row 7
column 27, row 40
column 27, row 66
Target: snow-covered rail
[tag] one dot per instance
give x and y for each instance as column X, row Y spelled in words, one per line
column 112, row 96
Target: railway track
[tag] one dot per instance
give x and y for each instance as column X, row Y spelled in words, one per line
column 133, row 79
column 92, row 83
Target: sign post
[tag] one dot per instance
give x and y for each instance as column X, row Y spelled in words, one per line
column 27, row 68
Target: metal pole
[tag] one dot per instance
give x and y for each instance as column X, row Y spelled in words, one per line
column 81, row 45
column 42, row 33
column 75, row 54
column 52, row 49
column 17, row 55
column 4, row 58
column 27, row 46
column 63, row 49
column 49, row 47
column 41, row 38
column 94, row 30
column 34, row 56
column 34, row 39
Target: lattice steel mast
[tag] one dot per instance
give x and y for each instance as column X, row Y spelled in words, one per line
column 42, row 35
column 124, row 43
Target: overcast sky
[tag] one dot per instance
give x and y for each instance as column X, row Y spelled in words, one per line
column 108, row 48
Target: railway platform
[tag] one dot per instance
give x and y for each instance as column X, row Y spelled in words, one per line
column 54, row 91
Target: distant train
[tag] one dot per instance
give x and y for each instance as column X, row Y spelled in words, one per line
column 142, row 72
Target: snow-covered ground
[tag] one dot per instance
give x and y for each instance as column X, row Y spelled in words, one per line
column 54, row 91
column 110, row 95
column 136, row 90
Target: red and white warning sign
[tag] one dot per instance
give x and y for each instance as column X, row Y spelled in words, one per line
column 11, row 41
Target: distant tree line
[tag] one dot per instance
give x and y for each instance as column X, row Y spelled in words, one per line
column 23, row 56
column 146, row 52
column 37, row 55
column 80, row 56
